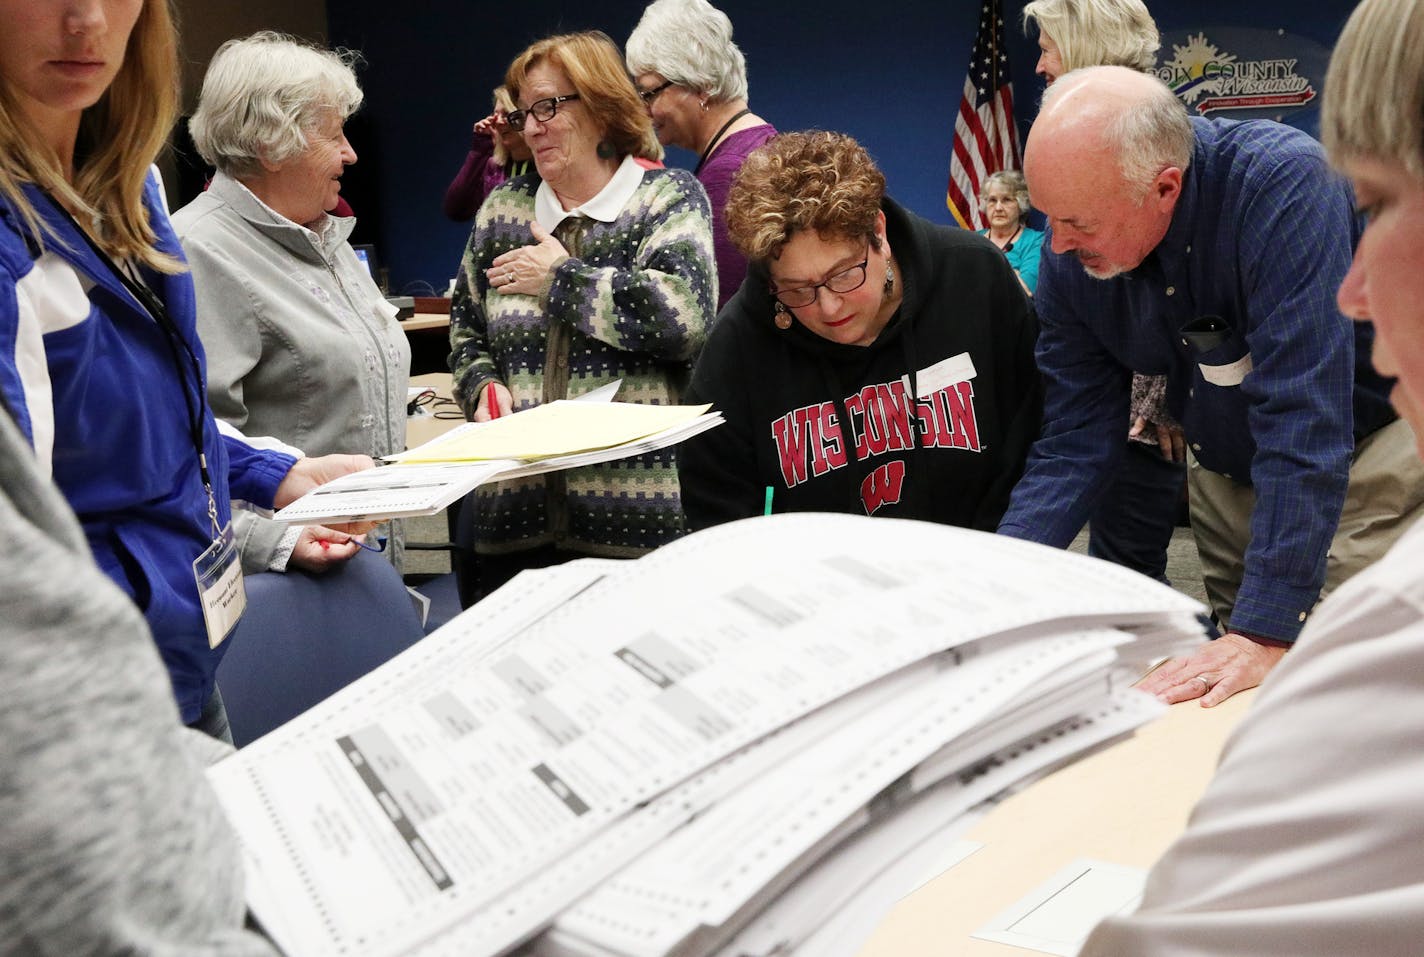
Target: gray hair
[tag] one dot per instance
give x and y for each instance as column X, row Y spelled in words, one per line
column 1147, row 133
column 1014, row 182
column 690, row 43
column 1098, row 32
column 263, row 94
column 1374, row 90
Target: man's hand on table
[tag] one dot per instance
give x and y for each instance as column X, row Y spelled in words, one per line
column 1214, row 672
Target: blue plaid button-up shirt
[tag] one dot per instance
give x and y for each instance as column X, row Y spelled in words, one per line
column 1275, row 397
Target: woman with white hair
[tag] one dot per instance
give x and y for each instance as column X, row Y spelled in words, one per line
column 1078, row 33
column 1004, row 202
column 694, row 80
column 301, row 344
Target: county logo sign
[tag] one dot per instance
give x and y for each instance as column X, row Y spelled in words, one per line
column 1243, row 72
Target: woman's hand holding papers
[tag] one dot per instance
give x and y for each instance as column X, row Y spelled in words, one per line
column 312, row 471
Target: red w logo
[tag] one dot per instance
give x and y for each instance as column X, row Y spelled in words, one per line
column 882, row 487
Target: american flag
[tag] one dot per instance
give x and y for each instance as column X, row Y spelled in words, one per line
column 985, row 139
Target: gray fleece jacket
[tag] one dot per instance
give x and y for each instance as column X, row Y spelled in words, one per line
column 111, row 839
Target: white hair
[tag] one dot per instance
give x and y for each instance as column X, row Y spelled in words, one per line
column 1098, row 32
column 1147, row 132
column 1013, row 181
column 690, row 43
column 263, row 94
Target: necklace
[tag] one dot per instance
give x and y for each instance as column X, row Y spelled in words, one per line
column 1012, row 239
column 717, row 138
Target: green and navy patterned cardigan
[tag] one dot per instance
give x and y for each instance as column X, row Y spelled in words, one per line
column 633, row 301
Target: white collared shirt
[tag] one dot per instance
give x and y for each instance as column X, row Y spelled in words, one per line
column 604, row 207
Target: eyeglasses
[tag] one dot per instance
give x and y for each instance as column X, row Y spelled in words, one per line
column 650, row 95
column 543, row 111
column 847, row 280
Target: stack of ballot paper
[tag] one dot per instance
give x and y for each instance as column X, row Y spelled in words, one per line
column 561, row 435
column 742, row 743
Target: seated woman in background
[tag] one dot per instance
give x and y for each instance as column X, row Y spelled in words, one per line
column 873, row 362
column 301, row 344
column 592, row 269
column 1004, row 201
column 497, row 153
column 1307, row 839
column 694, row 80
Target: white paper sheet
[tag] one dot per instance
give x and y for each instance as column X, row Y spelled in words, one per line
column 1057, row 916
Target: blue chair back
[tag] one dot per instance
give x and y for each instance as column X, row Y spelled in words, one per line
column 304, row 637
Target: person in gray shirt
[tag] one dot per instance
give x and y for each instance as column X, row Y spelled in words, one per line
column 111, row 839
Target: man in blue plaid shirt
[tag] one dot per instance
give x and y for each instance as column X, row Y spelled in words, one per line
column 1210, row 252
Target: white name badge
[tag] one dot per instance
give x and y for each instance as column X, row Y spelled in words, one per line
column 943, row 374
column 218, row 573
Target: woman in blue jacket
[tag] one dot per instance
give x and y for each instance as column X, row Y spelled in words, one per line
column 100, row 361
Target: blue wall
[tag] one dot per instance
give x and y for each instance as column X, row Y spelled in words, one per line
column 891, row 76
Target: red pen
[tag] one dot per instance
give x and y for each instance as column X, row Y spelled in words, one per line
column 491, row 404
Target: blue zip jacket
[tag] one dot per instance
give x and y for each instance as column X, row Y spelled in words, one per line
column 123, row 454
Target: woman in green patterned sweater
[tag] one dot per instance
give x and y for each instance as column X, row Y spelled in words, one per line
column 597, row 267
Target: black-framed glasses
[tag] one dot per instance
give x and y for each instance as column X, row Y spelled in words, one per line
column 543, row 111
column 650, row 95
column 847, row 280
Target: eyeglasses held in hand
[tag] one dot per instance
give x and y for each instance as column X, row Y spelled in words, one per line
column 650, row 95
column 847, row 280
column 542, row 110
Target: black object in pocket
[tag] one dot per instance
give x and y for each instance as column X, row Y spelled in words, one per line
column 1205, row 333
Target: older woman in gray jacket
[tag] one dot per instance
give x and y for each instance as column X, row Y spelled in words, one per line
column 301, row 344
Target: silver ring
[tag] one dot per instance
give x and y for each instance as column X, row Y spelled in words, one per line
column 1205, row 684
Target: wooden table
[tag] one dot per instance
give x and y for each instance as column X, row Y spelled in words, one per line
column 1124, row 805
column 426, row 320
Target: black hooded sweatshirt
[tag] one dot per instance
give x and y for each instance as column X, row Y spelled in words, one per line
column 962, row 340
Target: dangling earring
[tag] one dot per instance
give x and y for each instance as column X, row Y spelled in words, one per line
column 704, row 105
column 889, row 279
column 781, row 317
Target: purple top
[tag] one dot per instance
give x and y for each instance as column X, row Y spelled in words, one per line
column 477, row 178
column 716, row 177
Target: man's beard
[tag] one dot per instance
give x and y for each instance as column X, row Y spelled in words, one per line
column 1098, row 267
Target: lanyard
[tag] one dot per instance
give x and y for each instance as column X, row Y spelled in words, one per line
column 178, row 347
column 716, row 137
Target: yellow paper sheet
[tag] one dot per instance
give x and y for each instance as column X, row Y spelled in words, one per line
column 559, row 428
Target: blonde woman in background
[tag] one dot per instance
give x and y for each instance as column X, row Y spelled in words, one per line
column 497, row 153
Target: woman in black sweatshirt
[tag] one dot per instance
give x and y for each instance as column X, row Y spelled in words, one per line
column 857, row 311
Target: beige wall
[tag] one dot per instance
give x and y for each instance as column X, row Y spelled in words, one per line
column 205, row 24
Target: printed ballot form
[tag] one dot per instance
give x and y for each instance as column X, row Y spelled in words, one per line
column 463, row 796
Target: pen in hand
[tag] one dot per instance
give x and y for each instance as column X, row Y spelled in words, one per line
column 491, row 402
